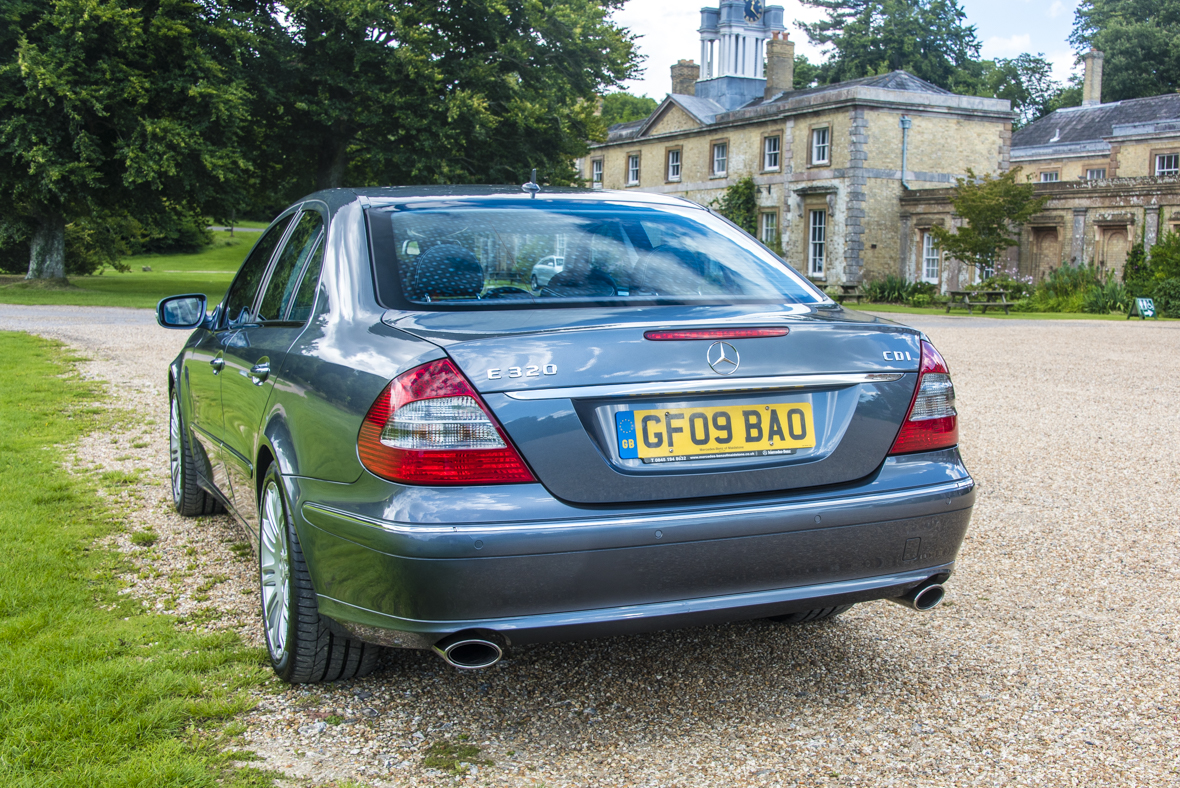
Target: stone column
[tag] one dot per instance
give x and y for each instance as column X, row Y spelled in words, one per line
column 857, row 199
column 1151, row 227
column 1077, row 246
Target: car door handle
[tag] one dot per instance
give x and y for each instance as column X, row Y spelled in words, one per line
column 260, row 372
column 217, row 364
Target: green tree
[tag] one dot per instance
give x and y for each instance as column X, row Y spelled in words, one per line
column 992, row 206
column 1026, row 81
column 622, row 107
column 1140, row 40
column 807, row 74
column 128, row 105
column 466, row 91
column 928, row 38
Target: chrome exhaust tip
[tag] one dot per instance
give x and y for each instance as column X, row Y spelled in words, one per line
column 469, row 650
column 922, row 598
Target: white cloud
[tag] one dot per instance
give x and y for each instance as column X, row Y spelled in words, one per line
column 1011, row 46
column 1056, row 10
column 1063, row 64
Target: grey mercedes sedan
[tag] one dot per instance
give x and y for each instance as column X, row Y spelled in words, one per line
column 676, row 429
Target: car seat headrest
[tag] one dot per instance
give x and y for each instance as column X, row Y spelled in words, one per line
column 447, row 271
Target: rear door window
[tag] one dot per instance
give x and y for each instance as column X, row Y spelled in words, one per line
column 284, row 278
column 239, row 300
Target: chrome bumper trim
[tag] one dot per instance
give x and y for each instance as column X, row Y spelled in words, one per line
column 704, row 386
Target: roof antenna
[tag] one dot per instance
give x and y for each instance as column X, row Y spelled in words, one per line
column 531, row 187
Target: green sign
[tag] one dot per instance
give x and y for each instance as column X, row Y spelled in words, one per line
column 1144, row 307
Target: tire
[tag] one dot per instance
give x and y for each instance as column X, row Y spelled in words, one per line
column 188, row 497
column 302, row 649
column 803, row 616
column 534, row 282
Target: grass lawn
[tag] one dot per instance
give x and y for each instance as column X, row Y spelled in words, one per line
column 208, row 271
column 996, row 313
column 95, row 692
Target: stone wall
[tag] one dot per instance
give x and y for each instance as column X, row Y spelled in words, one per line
column 1091, row 222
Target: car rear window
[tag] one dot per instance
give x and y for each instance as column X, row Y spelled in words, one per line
column 489, row 256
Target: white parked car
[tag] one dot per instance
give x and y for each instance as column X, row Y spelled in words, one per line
column 545, row 270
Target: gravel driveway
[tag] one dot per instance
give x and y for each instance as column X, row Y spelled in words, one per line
column 1053, row 662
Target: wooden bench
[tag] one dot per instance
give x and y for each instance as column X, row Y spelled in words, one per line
column 978, row 298
column 850, row 291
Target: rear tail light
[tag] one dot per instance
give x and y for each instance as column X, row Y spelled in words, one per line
column 429, row 426
column 931, row 422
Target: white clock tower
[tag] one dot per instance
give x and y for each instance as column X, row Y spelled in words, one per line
column 733, row 41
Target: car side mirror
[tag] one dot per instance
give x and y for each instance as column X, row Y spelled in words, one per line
column 182, row 311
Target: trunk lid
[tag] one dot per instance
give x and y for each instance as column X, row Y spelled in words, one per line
column 603, row 415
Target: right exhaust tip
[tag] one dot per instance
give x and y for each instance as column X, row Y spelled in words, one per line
column 469, row 651
column 923, row 598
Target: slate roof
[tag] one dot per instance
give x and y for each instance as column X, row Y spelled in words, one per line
column 1074, row 125
column 708, row 111
column 894, row 80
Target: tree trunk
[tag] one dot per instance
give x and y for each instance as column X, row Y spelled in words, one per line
column 333, row 161
column 47, row 250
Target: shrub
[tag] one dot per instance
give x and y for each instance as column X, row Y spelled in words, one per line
column 895, row 290
column 1165, row 257
column 1108, row 297
column 1137, row 274
column 1015, row 287
column 1166, row 295
column 739, row 204
column 1067, row 288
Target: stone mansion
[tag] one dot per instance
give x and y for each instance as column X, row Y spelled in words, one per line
column 851, row 177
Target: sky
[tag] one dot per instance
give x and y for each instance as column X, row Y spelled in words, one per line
column 1005, row 28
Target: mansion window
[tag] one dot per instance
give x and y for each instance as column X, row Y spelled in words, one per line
column 930, row 258
column 633, row 169
column 817, row 242
column 674, row 165
column 596, row 173
column 770, row 229
column 1167, row 164
column 1096, row 173
column 720, row 158
column 1051, row 176
column 770, row 152
column 820, row 145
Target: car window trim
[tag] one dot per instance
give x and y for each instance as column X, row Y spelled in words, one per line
column 320, row 240
column 254, row 305
column 297, row 214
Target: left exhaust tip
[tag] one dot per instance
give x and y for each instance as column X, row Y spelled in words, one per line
column 469, row 650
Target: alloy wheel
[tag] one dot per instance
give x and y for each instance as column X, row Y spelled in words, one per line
column 176, row 453
column 274, row 570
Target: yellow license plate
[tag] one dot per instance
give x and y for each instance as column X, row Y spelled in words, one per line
column 699, row 433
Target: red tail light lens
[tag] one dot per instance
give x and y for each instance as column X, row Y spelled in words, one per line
column 429, row 426
column 932, row 422
column 714, row 333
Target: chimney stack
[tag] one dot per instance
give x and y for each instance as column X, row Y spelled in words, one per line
column 1092, row 87
column 780, row 66
column 684, row 78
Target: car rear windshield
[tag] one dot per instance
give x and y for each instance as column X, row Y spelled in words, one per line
column 495, row 256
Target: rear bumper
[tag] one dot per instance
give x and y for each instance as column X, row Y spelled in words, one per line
column 598, row 574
